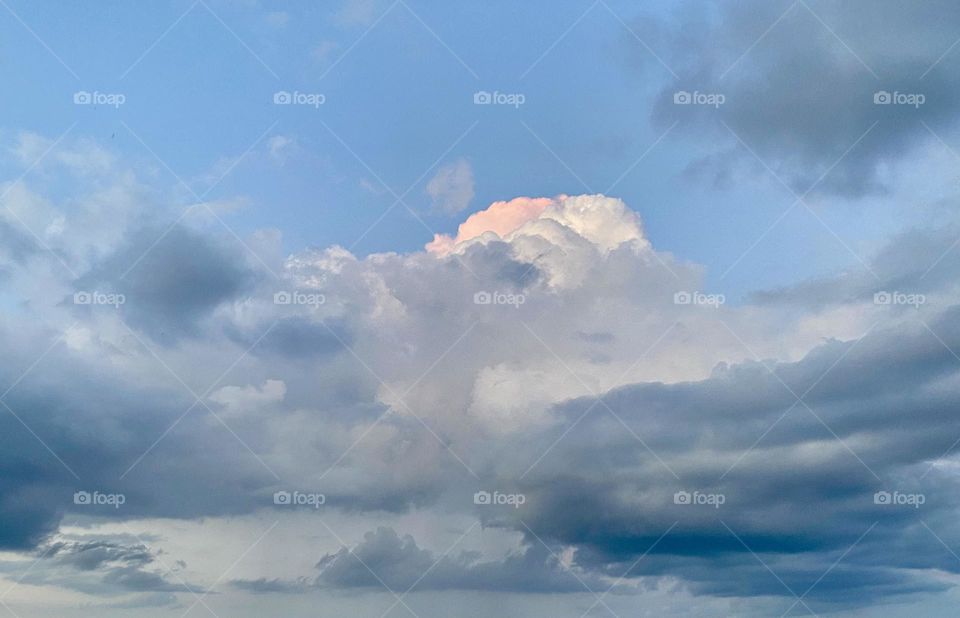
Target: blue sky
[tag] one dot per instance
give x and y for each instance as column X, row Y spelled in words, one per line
column 295, row 318
column 398, row 83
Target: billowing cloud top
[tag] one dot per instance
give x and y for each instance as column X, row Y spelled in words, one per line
column 605, row 222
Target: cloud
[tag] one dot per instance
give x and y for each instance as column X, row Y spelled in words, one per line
column 246, row 399
column 422, row 377
column 279, row 146
column 385, row 558
column 109, row 567
column 747, row 441
column 799, row 82
column 266, row 586
column 171, row 279
column 538, row 398
column 451, row 188
column 500, row 218
column 91, row 555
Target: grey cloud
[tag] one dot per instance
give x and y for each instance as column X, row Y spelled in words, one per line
column 110, row 567
column 15, row 242
column 172, row 279
column 91, row 555
column 298, row 337
column 387, row 558
column 135, row 579
column 99, row 427
column 267, row 586
column 799, row 499
column 800, row 98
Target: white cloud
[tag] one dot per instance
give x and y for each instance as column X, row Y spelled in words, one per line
column 452, row 188
column 278, row 146
column 250, row 399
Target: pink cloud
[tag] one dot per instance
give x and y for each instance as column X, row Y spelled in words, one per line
column 501, row 218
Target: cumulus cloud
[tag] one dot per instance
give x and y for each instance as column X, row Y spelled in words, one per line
column 500, row 218
column 539, row 350
column 561, row 236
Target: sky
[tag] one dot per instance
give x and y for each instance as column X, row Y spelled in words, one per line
column 407, row 308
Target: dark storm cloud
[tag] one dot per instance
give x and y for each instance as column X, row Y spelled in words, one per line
column 73, row 427
column 799, row 498
column 172, row 280
column 26, row 519
column 800, row 97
